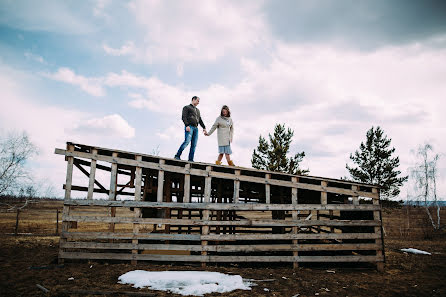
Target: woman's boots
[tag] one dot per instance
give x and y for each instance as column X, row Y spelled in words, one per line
column 230, row 163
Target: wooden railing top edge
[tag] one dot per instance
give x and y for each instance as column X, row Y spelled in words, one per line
column 329, row 179
column 219, row 206
column 241, row 168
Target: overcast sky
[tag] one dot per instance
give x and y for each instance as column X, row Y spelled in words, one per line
column 117, row 73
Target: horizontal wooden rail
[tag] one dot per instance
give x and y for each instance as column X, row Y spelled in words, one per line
column 222, row 248
column 246, row 223
column 204, row 173
column 217, row 237
column 210, row 258
column 221, row 206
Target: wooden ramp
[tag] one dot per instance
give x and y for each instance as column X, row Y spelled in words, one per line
column 161, row 209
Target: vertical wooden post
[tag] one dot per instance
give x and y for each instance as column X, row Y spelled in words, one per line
column 237, row 187
column 186, row 198
column 295, row 218
column 324, row 201
column 219, row 200
column 180, row 198
column 57, row 221
column 168, row 194
column 207, row 199
column 66, row 208
column 113, row 178
column 159, row 196
column 267, row 189
column 112, row 190
column 92, row 175
column 377, row 216
column 137, row 210
column 355, row 198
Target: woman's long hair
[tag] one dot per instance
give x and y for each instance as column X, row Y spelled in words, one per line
column 227, row 109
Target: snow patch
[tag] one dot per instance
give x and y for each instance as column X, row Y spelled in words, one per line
column 415, row 251
column 185, row 283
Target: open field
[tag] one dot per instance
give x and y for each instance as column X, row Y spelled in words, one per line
column 31, row 258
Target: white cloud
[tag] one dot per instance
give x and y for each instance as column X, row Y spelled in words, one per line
column 33, row 57
column 113, row 125
column 92, row 86
column 197, row 30
column 99, row 9
column 158, row 96
column 127, row 49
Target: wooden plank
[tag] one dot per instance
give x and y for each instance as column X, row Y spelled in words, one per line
column 236, row 187
column 355, row 198
column 198, row 172
column 295, row 219
column 217, row 237
column 137, row 210
column 110, row 235
column 222, row 248
column 206, row 222
column 138, row 181
column 267, row 189
column 226, row 237
column 324, row 199
column 207, row 185
column 200, row 258
column 68, row 183
column 207, row 199
column 69, row 176
column 104, row 191
column 224, row 206
column 92, row 177
column 186, row 198
column 160, row 193
column 113, row 178
column 378, row 231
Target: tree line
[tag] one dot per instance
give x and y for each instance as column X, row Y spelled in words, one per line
column 374, row 162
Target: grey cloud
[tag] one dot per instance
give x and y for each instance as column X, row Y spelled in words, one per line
column 350, row 110
column 311, row 147
column 362, row 24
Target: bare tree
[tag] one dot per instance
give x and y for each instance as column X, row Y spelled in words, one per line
column 15, row 150
column 425, row 176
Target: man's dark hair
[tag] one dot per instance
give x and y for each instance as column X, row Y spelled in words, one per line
column 195, row 98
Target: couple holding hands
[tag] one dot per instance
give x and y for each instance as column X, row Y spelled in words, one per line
column 223, row 124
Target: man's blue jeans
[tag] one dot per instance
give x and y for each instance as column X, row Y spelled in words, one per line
column 189, row 137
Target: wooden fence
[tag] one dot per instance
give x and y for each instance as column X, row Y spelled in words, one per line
column 161, row 209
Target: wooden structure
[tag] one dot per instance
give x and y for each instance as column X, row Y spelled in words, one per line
column 161, row 209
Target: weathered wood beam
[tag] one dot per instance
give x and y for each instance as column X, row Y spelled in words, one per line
column 223, row 206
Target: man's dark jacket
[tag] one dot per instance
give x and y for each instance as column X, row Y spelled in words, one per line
column 191, row 116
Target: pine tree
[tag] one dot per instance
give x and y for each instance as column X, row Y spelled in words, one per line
column 376, row 164
column 272, row 155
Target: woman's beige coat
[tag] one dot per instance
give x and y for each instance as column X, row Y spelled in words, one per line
column 225, row 131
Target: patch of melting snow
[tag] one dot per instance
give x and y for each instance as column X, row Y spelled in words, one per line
column 196, row 283
column 415, row 251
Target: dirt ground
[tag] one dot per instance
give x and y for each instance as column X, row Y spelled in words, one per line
column 30, row 258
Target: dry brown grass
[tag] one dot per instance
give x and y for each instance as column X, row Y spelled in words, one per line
column 27, row 260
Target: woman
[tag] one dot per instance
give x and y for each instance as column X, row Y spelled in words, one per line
column 225, row 131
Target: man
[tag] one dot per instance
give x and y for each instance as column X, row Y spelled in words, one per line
column 191, row 118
